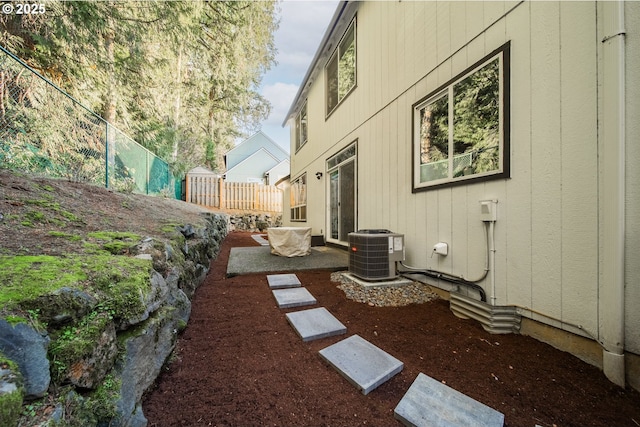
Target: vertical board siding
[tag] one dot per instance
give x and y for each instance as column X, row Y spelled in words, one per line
column 546, row 234
column 579, row 221
column 516, row 209
column 546, row 161
column 632, row 266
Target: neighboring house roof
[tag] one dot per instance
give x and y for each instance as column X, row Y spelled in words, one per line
column 249, row 146
column 201, row 170
column 278, row 166
column 282, row 180
column 260, row 156
column 341, row 19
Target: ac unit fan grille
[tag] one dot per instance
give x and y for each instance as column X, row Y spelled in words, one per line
column 372, row 255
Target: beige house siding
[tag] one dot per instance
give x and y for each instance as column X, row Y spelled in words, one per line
column 549, row 230
column 632, row 249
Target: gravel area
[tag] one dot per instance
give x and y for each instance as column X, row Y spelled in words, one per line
column 414, row 293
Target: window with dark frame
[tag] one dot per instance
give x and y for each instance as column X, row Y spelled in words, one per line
column 461, row 130
column 298, row 197
column 301, row 127
column 340, row 71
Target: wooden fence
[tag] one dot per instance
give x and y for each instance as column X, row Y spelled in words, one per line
column 213, row 191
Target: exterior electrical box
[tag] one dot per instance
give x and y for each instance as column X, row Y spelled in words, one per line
column 373, row 254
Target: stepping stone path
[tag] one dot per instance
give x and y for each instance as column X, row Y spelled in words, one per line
column 315, row 323
column 294, row 297
column 282, row 281
column 429, row 403
column 259, row 238
column 363, row 364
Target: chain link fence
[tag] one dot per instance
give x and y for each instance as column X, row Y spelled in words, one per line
column 44, row 131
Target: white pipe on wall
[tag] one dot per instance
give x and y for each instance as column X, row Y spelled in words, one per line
column 612, row 193
column 492, row 260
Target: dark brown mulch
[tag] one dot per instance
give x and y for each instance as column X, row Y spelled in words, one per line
column 239, row 363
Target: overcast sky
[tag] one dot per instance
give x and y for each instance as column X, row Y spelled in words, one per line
column 302, row 25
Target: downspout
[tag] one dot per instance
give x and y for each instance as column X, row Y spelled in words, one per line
column 612, row 193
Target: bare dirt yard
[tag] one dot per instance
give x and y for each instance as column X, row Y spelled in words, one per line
column 239, row 363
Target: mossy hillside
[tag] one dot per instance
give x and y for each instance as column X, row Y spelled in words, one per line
column 45, row 210
column 117, row 282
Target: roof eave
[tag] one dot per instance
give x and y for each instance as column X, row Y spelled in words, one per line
column 304, row 87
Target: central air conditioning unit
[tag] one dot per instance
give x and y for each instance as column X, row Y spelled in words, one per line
column 373, row 254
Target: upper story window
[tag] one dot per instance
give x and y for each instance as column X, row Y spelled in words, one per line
column 301, row 127
column 340, row 71
column 461, row 130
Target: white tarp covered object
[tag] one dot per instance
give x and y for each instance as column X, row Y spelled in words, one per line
column 290, row 241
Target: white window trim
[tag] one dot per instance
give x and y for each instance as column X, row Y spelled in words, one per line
column 300, row 207
column 299, row 140
column 355, row 70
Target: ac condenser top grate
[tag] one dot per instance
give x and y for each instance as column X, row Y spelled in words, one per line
column 373, row 254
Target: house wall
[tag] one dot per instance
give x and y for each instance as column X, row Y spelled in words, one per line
column 249, row 146
column 548, row 233
column 632, row 176
column 278, row 172
column 252, row 168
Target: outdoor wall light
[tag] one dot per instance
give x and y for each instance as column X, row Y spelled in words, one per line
column 318, row 175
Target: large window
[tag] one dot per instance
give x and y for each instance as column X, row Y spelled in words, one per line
column 461, row 130
column 301, row 127
column 299, row 198
column 341, row 69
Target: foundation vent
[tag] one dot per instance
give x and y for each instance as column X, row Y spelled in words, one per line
column 494, row 319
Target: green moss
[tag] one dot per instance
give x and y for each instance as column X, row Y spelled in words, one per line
column 46, row 203
column 118, row 281
column 68, row 236
column 74, row 343
column 10, row 403
column 10, row 408
column 70, row 216
column 115, row 242
column 14, row 320
column 102, row 401
column 27, row 277
column 35, row 216
column 113, row 235
column 46, row 187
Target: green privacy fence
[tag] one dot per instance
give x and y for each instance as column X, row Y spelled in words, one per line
column 44, row 131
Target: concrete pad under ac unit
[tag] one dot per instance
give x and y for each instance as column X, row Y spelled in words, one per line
column 293, row 297
column 363, row 364
column 282, row 281
column 315, row 323
column 429, row 403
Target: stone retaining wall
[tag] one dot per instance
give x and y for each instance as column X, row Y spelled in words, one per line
column 144, row 342
column 254, row 222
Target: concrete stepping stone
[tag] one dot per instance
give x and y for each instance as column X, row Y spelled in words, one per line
column 282, row 281
column 363, row 364
column 315, row 323
column 429, row 403
column 259, row 238
column 294, row 297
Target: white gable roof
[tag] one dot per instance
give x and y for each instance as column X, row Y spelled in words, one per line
column 252, row 144
column 252, row 164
